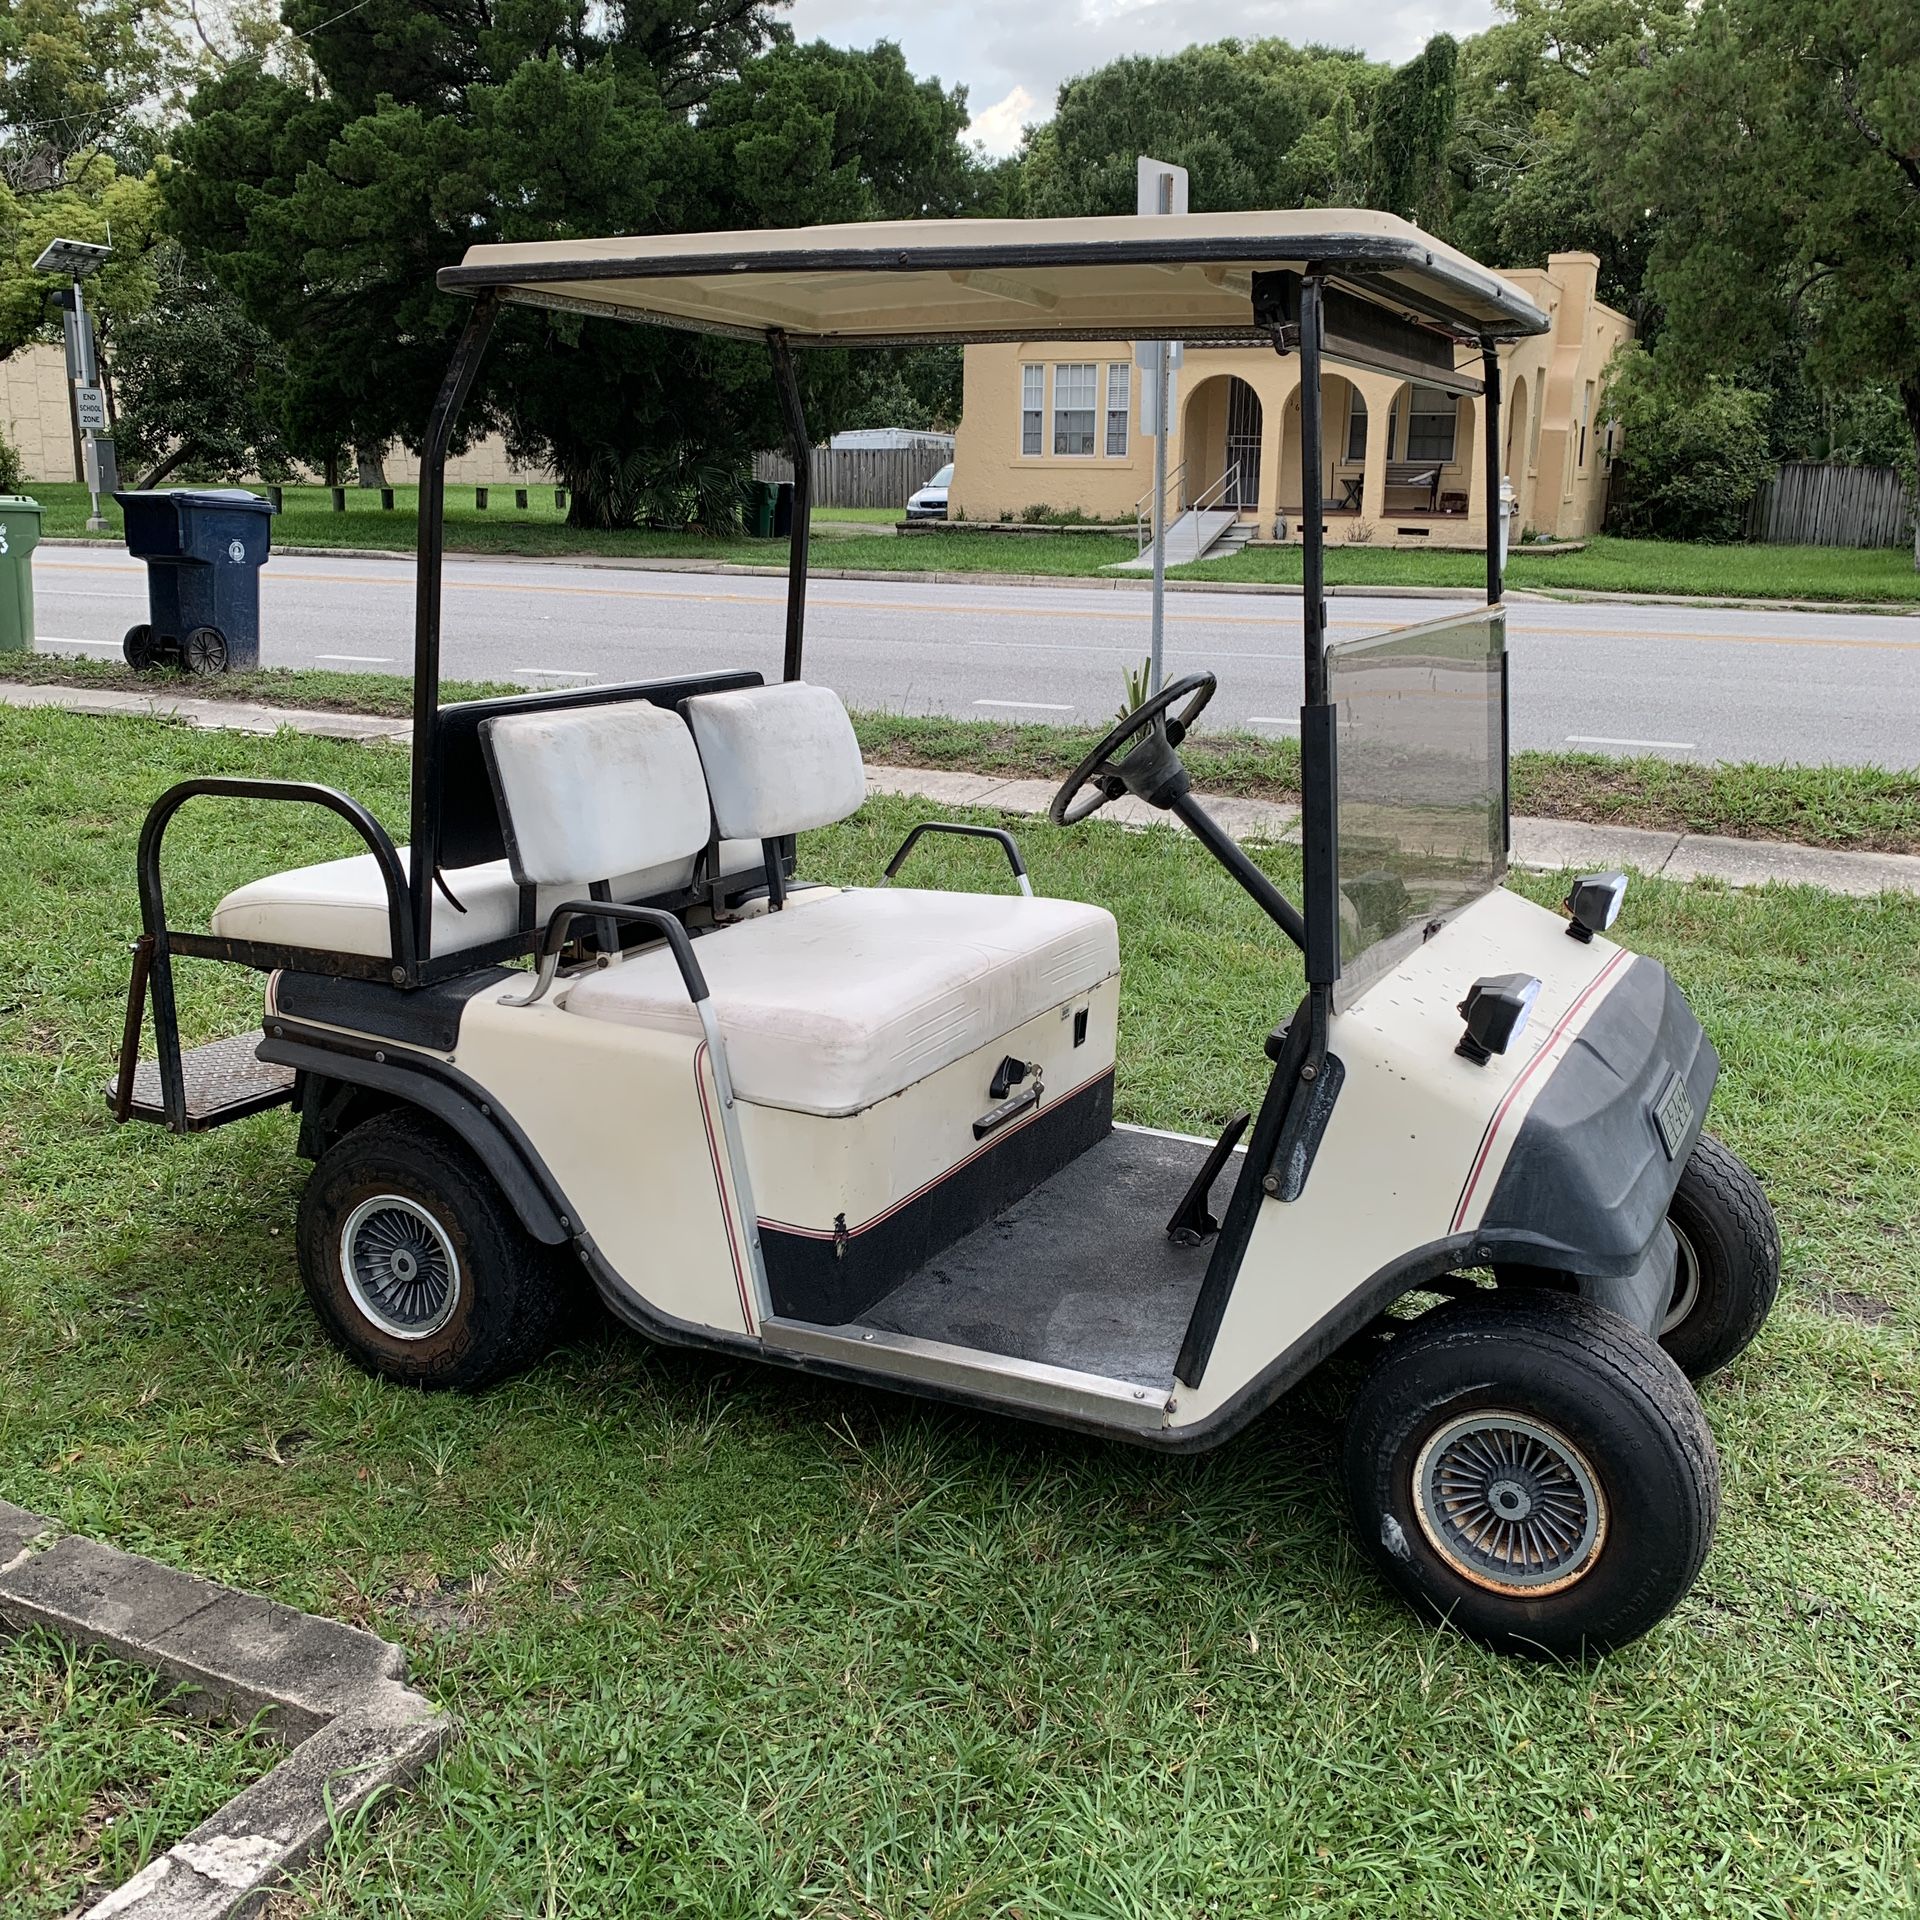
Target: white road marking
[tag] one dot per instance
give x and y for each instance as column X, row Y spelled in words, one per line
column 359, row 659
column 64, row 640
column 550, row 673
column 1269, row 720
column 1026, row 706
column 1601, row 740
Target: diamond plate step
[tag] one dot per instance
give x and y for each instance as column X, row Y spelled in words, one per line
column 224, row 1082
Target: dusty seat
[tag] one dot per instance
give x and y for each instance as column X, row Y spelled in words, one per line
column 340, row 906
column 847, row 997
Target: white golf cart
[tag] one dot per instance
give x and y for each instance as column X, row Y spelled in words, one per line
column 867, row 1132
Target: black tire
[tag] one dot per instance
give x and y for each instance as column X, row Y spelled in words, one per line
column 424, row 1221
column 137, row 648
column 1729, row 1260
column 1557, row 1405
column 204, row 652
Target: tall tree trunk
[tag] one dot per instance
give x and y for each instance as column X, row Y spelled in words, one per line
column 332, row 473
column 371, row 472
column 1910, row 402
column 154, row 475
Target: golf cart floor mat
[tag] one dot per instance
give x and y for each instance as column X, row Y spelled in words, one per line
column 1078, row 1273
column 223, row 1082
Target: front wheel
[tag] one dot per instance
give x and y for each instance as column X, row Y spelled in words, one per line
column 1535, row 1472
column 204, row 652
column 1727, row 1260
column 138, row 649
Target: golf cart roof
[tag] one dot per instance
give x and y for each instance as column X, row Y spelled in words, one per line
column 908, row 282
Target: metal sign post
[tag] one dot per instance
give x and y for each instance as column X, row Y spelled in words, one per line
column 1160, row 188
column 77, row 259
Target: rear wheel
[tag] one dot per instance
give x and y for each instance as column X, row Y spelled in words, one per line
column 1535, row 1472
column 204, row 651
column 415, row 1263
column 1727, row 1266
column 137, row 647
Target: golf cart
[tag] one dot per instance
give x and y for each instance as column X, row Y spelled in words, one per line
column 868, row 1132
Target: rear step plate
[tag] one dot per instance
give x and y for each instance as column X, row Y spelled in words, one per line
column 223, row 1082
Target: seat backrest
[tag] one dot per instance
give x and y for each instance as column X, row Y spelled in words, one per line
column 591, row 793
column 778, row 759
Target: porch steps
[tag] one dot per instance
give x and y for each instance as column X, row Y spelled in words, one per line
column 1198, row 531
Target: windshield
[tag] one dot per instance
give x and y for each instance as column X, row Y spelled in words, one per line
column 944, row 478
column 1421, row 782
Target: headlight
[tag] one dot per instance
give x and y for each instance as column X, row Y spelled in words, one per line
column 1594, row 903
column 1495, row 1011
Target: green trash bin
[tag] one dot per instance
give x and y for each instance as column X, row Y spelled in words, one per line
column 761, row 495
column 19, row 535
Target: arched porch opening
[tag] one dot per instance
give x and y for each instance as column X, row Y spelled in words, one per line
column 1346, row 427
column 1220, row 433
column 1430, row 452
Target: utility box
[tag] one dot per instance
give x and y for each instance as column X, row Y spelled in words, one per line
column 19, row 535
column 204, row 548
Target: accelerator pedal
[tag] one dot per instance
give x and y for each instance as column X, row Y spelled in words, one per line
column 1193, row 1220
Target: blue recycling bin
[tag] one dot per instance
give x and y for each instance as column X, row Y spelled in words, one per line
column 204, row 548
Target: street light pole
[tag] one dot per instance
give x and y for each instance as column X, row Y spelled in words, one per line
column 86, row 398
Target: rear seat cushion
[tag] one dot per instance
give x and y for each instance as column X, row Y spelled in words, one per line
column 340, row 906
column 847, row 998
column 778, row 759
column 589, row 792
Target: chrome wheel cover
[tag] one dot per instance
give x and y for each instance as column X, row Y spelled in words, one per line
column 399, row 1266
column 1686, row 1282
column 1509, row 1503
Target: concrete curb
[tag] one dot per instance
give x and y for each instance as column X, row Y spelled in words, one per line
column 633, row 563
column 1546, row 845
column 336, row 1694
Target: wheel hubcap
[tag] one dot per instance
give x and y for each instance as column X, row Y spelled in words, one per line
column 1686, row 1282
column 1509, row 1503
column 400, row 1267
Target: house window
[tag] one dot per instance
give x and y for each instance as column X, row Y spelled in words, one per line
column 1119, row 397
column 1356, row 424
column 1586, row 420
column 1431, row 421
column 1033, row 400
column 1073, row 405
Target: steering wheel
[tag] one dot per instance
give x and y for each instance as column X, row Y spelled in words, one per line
column 1148, row 730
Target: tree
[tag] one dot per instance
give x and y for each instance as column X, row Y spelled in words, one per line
column 1693, row 455
column 1778, row 144
column 195, row 377
column 327, row 213
column 1410, row 133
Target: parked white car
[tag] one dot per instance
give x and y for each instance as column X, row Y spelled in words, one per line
column 930, row 503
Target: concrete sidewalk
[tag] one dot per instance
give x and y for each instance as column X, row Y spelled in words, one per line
column 1546, row 845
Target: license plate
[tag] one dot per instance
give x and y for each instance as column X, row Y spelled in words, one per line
column 1673, row 1115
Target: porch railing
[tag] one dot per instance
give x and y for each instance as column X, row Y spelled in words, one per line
column 1212, row 495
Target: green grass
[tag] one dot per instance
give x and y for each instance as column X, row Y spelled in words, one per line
column 730, row 1643
column 1605, row 565
column 97, row 1776
column 1854, row 809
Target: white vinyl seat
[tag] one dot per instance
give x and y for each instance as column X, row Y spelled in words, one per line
column 340, row 906
column 848, row 997
column 586, row 794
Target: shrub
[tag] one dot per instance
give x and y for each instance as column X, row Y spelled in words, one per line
column 1693, row 455
column 11, row 478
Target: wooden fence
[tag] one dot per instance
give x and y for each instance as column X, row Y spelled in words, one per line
column 860, row 477
column 1819, row 504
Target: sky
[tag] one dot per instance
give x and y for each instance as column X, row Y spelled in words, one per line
column 1011, row 55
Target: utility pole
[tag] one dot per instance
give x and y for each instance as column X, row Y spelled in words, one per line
column 1160, row 188
column 86, row 397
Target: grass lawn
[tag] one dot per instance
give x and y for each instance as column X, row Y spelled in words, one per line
column 729, row 1643
column 96, row 1776
column 1605, row 565
column 1859, row 809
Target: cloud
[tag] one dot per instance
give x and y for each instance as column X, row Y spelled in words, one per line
column 998, row 127
column 1015, row 53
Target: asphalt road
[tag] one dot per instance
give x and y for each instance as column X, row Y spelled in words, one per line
column 1688, row 683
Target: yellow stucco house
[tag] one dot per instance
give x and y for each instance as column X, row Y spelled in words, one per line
column 1057, row 424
